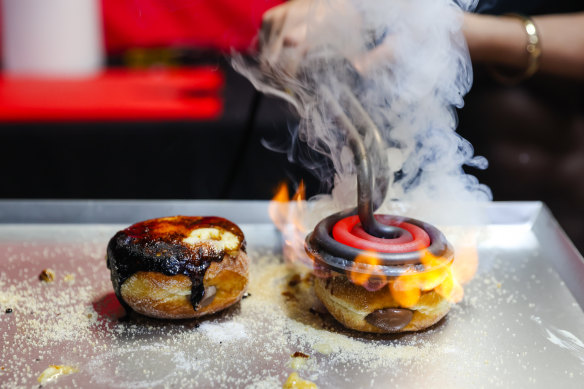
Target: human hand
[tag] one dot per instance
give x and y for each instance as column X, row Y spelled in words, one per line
column 289, row 31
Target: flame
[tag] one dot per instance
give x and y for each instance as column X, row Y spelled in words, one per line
column 466, row 260
column 444, row 279
column 364, row 272
column 404, row 289
column 288, row 215
column 408, row 288
column 278, row 208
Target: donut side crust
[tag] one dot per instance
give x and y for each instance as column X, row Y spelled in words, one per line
column 161, row 296
column 350, row 304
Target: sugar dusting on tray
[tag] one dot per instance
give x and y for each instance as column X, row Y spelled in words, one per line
column 223, row 332
column 81, row 321
column 250, row 345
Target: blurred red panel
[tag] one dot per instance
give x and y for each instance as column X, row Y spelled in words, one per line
column 207, row 24
column 193, row 93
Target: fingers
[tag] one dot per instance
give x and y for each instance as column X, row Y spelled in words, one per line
column 284, row 36
column 266, row 29
column 296, row 36
column 283, row 30
column 273, row 41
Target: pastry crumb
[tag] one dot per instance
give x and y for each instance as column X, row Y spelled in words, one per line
column 47, row 275
column 69, row 277
column 53, row 372
column 295, row 382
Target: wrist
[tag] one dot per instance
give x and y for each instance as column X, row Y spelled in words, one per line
column 496, row 40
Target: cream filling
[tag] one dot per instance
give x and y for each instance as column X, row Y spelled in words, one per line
column 221, row 239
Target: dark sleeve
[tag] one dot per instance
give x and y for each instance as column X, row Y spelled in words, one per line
column 529, row 7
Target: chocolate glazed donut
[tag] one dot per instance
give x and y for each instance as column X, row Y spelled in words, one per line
column 162, row 246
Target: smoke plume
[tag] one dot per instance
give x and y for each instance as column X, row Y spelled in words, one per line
column 407, row 63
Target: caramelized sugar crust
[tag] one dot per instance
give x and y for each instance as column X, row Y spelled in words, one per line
column 165, row 267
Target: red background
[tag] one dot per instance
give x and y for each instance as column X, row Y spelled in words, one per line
column 208, row 24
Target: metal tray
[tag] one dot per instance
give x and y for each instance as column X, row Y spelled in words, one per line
column 520, row 324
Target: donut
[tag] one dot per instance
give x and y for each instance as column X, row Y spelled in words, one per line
column 378, row 311
column 178, row 267
column 374, row 284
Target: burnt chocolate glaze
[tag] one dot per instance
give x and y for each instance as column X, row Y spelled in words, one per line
column 157, row 245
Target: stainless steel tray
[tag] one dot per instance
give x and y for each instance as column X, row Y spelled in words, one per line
column 521, row 323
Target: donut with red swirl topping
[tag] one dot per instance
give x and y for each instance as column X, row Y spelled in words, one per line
column 382, row 285
column 179, row 267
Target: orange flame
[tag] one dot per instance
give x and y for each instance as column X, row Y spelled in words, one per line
column 408, row 288
column 405, row 290
column 288, row 216
column 467, row 258
column 364, row 272
column 278, row 208
column 441, row 278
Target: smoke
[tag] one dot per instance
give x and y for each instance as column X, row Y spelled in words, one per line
column 407, row 64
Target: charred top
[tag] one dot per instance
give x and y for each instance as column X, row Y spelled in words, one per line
column 158, row 245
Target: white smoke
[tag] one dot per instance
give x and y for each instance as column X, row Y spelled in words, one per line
column 414, row 69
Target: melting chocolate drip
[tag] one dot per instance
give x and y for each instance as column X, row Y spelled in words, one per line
column 157, row 246
column 390, row 319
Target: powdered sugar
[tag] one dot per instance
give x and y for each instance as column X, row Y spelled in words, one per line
column 487, row 340
column 223, row 332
